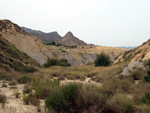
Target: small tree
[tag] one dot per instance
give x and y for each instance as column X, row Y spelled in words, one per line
column 53, row 43
column 102, row 60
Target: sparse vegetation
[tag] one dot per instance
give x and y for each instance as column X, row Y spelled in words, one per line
column 13, row 59
column 17, row 94
column 24, row 79
column 62, row 50
column 102, row 60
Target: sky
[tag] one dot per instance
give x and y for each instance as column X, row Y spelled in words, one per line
column 101, row 22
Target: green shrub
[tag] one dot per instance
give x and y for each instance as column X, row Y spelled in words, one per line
column 102, row 60
column 63, row 62
column 3, row 100
column 50, row 62
column 63, row 98
column 17, row 94
column 29, row 69
column 25, row 99
column 24, row 79
column 27, row 89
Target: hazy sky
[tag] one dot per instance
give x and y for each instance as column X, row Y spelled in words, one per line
column 102, row 22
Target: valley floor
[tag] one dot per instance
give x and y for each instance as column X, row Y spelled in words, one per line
column 94, row 90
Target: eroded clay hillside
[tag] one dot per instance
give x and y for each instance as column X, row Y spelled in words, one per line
column 34, row 47
column 141, row 53
column 13, row 59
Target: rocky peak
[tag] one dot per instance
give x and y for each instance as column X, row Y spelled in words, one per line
column 69, row 34
column 70, row 39
column 8, row 27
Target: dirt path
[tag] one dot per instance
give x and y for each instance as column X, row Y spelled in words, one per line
column 16, row 105
column 86, row 81
column 13, row 104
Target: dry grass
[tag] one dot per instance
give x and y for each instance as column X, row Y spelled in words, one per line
column 98, row 74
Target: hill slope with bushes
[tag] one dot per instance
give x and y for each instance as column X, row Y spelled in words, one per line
column 13, row 59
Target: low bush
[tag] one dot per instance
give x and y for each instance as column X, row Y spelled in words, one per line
column 29, row 69
column 25, row 99
column 17, row 94
column 138, row 74
column 4, row 85
column 5, row 77
column 56, row 62
column 34, row 100
column 50, row 62
column 27, row 89
column 102, row 60
column 44, row 88
column 3, row 100
column 24, row 79
column 120, row 104
column 63, row 98
column 31, row 99
column 12, row 83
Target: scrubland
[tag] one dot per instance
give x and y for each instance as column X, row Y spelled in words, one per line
column 80, row 89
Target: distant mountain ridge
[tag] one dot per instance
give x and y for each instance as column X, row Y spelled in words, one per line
column 69, row 39
column 127, row 47
column 45, row 37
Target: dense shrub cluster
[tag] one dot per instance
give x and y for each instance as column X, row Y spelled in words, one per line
column 56, row 62
column 102, row 60
column 77, row 98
